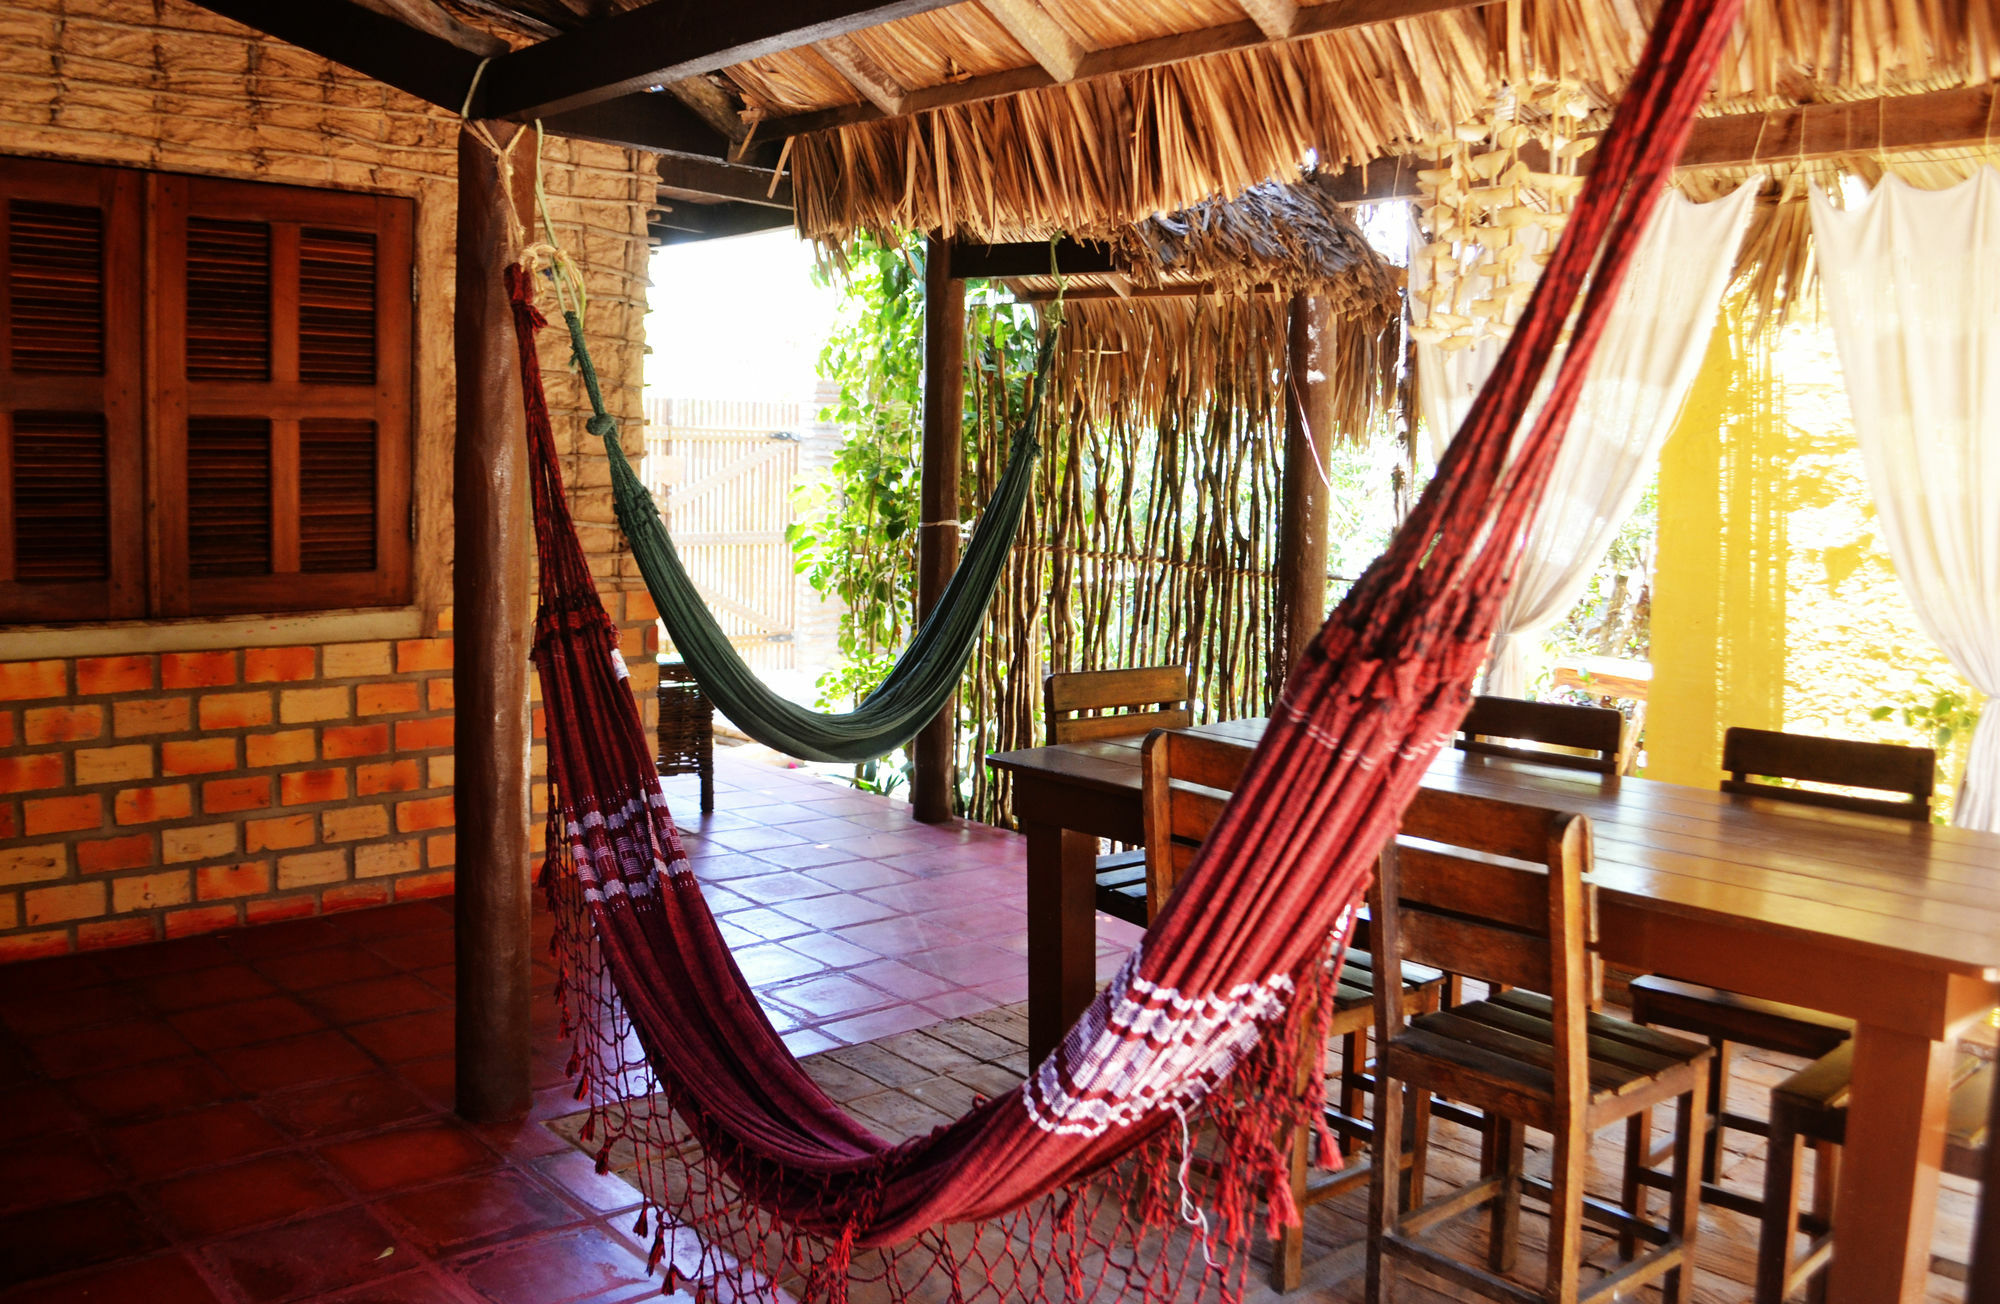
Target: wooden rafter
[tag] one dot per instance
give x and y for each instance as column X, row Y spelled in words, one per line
column 1312, row 20
column 1037, row 31
column 1277, row 19
column 706, row 176
column 652, row 45
column 1030, row 258
column 860, row 71
column 419, row 62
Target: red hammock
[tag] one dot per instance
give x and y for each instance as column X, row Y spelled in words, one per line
column 755, row 1178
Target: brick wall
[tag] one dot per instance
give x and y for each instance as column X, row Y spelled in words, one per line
column 165, row 779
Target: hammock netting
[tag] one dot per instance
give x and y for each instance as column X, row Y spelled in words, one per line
column 1082, row 1181
column 926, row 671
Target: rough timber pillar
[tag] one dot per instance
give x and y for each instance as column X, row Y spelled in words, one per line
column 491, row 549
column 1302, row 509
column 937, row 538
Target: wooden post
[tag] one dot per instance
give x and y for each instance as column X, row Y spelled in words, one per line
column 931, row 787
column 1302, row 508
column 1984, row 1281
column 491, row 550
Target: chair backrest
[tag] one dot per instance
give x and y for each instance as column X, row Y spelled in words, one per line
column 1187, row 778
column 1495, row 723
column 1909, row 772
column 1494, row 890
column 1119, row 703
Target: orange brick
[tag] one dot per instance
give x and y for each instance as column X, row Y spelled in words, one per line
column 383, row 858
column 113, row 675
column 311, row 869
column 387, row 776
column 220, row 882
column 21, row 681
column 355, row 660
column 445, row 616
column 6, row 728
column 423, row 654
column 197, row 669
column 418, row 886
column 252, row 792
column 116, row 932
column 353, row 823
column 423, row 813
column 59, row 905
column 132, row 851
column 200, row 842
column 36, row 864
column 538, row 726
column 10, row 913
column 235, row 710
column 145, row 805
column 354, row 740
column 198, row 756
column 63, row 724
column 33, row 946
column 399, row 698
column 292, row 747
column 303, row 786
column 269, row 910
column 442, row 848
column 199, row 919
column 279, row 834
column 306, row 705
column 10, row 821
column 150, row 891
column 416, row 735
column 269, row 665
column 154, row 715
column 28, row 773
column 440, row 694
column 444, row 770
column 62, row 814
column 639, row 605
column 114, row 764
column 632, row 643
column 354, row 896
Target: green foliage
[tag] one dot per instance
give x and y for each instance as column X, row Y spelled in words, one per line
column 1942, row 715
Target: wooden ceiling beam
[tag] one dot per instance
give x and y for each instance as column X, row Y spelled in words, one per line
column 1933, row 120
column 424, row 15
column 661, row 123
column 1037, row 32
column 654, row 44
column 686, row 223
column 711, row 179
column 859, row 69
column 1101, row 293
column 1030, row 258
column 1277, row 19
column 420, row 63
column 1311, row 20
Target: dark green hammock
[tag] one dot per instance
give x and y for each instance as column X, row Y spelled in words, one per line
column 924, row 675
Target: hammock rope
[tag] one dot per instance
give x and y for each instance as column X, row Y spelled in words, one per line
column 1073, row 1185
column 925, row 673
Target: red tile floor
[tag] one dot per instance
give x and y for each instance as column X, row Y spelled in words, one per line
column 264, row 1116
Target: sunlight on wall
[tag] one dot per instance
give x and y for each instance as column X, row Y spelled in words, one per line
column 737, row 318
column 1775, row 604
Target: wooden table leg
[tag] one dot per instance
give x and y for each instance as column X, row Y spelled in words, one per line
column 1062, row 932
column 1889, row 1172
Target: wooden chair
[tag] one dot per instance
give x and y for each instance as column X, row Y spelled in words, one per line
column 1090, row 705
column 1528, row 1060
column 1809, row 1109
column 1728, row 1020
column 1188, row 778
column 1595, row 735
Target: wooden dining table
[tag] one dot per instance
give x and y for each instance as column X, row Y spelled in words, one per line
column 1895, row 925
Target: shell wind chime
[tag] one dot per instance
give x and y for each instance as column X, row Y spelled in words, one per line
column 1492, row 215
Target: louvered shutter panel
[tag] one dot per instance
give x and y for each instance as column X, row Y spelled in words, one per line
column 72, row 537
column 289, row 385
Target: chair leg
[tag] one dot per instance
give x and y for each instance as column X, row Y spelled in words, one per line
column 1633, row 1193
column 1418, row 1106
column 1383, row 1214
column 1353, row 1062
column 1565, row 1249
column 1509, row 1145
column 1718, row 1090
column 1288, row 1255
column 1778, row 1233
column 1826, row 1180
column 1684, row 1196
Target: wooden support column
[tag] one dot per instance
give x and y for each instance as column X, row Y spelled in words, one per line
column 491, row 614
column 931, row 787
column 1302, row 509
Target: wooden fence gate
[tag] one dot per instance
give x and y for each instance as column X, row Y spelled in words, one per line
column 723, row 471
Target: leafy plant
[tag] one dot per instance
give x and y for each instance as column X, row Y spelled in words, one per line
column 1942, row 715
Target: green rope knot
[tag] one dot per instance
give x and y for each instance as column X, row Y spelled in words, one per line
column 603, row 425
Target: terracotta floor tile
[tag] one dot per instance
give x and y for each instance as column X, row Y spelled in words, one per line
column 215, row 985
column 52, row 1169
column 768, row 889
column 767, row 925
column 53, row 1238
column 36, row 1109
column 836, row 911
column 407, row 1036
column 308, row 1258
column 426, row 1287
column 957, row 1004
column 166, row 1279
column 809, row 1041
column 57, row 974
column 304, row 971
column 394, row 921
column 557, row 1269
column 374, row 998
column 294, row 1061
column 37, row 1013
column 218, row 1201
column 858, row 874
column 833, row 952
column 880, row 1023
column 756, row 838
column 414, row 950
column 435, row 1079
column 575, row 1174
column 828, row 997
column 151, row 1090
column 201, row 1138
column 409, row 1156
column 900, row 935
column 770, row 962
column 292, row 937
column 521, row 1142
column 168, row 957
column 108, row 1046
column 352, row 1105
column 827, row 829
column 968, row 964
column 242, row 1023
column 485, row 1209
column 807, row 855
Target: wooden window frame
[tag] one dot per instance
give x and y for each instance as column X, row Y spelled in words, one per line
column 147, row 397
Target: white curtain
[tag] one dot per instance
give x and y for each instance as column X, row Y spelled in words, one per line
column 1913, row 286
column 1652, row 347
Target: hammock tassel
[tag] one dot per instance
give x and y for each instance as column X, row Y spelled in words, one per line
column 659, row 1252
column 604, row 1159
column 639, row 1228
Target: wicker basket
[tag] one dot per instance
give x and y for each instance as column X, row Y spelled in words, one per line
column 687, row 729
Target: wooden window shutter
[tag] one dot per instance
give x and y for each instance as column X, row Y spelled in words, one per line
column 72, row 531
column 281, row 392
